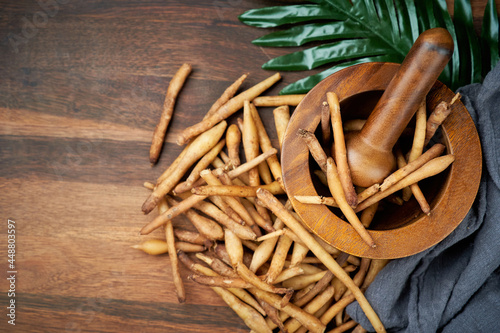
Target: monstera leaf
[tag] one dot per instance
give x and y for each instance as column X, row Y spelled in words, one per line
column 346, row 33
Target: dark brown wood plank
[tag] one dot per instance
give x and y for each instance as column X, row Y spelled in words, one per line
column 105, row 314
column 73, row 272
column 78, row 160
column 87, row 101
column 119, row 41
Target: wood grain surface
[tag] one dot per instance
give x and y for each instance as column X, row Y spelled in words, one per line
column 81, row 89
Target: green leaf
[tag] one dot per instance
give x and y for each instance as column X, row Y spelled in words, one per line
column 302, row 34
column 304, row 85
column 354, row 31
column 468, row 44
column 489, row 37
column 450, row 75
column 369, row 7
column 425, row 14
column 326, row 53
column 268, row 17
column 387, row 13
column 408, row 25
column 412, row 17
column 369, row 22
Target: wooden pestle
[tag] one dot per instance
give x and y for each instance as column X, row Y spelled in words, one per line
column 369, row 151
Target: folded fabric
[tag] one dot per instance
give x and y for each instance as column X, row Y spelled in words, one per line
column 455, row 285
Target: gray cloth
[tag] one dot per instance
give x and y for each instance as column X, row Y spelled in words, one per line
column 455, row 285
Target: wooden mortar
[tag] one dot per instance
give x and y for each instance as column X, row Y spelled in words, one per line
column 398, row 231
column 370, row 154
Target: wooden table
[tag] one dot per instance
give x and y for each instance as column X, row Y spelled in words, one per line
column 81, row 89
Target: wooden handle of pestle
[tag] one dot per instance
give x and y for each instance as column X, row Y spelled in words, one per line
column 370, row 150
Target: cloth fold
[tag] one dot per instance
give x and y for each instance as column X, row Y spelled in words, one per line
column 455, row 285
